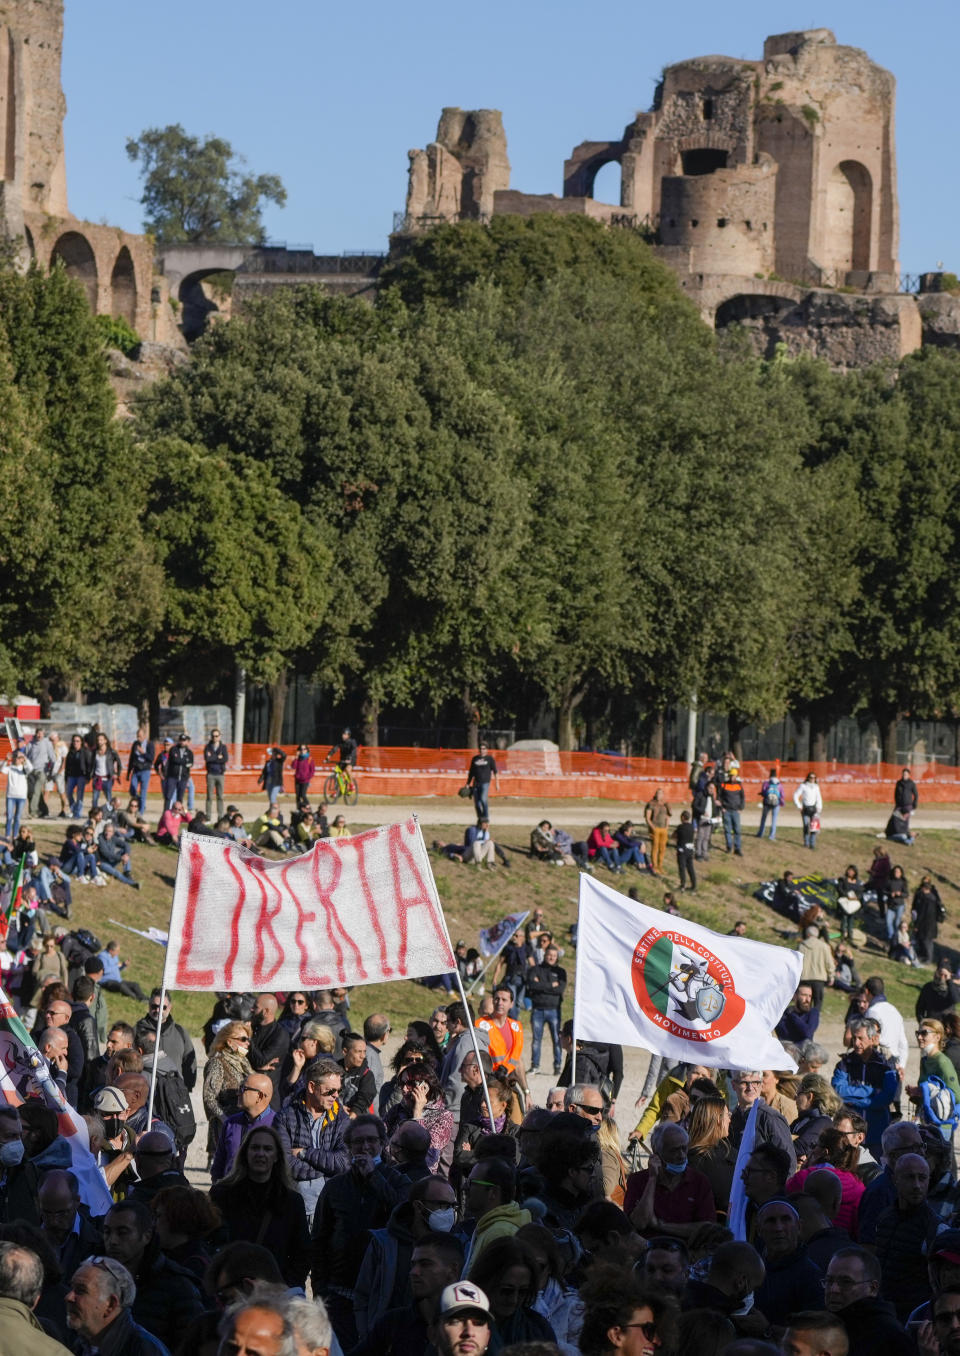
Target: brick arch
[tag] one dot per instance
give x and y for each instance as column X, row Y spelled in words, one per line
column 849, row 215
column 123, row 288
column 76, row 254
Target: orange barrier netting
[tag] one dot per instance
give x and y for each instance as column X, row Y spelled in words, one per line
column 553, row 775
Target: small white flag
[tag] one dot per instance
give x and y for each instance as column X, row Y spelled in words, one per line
column 661, row 982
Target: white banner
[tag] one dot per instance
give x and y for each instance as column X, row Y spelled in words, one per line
column 658, row 981
column 357, row 910
column 495, row 939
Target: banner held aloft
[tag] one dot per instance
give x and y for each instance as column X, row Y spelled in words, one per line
column 672, row 986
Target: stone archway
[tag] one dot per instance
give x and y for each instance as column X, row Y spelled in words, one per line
column 849, row 217
column 77, row 257
column 596, row 170
column 123, row 289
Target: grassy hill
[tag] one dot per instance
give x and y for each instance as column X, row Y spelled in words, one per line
column 474, row 898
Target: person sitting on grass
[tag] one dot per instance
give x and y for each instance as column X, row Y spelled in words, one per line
column 77, row 859
column 171, row 822
column 114, row 858
column 269, row 831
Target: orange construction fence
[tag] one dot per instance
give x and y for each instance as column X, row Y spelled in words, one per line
column 549, row 775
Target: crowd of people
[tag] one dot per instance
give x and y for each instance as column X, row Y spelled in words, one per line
column 430, row 1207
column 370, row 1195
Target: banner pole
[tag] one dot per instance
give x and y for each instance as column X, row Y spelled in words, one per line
column 163, row 992
column 458, row 977
column 576, row 989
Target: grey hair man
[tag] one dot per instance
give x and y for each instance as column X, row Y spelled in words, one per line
column 259, row 1323
column 312, row 1333
column 584, row 1099
column 98, row 1305
column 21, row 1281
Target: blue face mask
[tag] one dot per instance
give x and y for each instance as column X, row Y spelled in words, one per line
column 11, row 1153
column 676, row 1168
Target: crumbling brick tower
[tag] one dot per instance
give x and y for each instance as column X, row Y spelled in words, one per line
column 782, row 165
column 114, row 267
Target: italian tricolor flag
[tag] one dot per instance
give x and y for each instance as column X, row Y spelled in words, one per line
column 11, row 899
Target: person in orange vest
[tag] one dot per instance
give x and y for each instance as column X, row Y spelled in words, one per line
column 504, row 1034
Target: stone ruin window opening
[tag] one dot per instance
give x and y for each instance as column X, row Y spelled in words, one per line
column 722, row 221
column 606, row 183
column 74, row 251
column 703, row 160
column 707, row 110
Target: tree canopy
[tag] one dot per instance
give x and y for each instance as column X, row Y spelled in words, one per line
column 197, row 190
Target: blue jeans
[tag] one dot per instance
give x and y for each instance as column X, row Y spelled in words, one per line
column 15, row 808
column 809, row 835
column 630, row 856
column 79, row 864
column 173, row 790
column 481, row 799
column 139, row 786
column 45, row 881
column 609, row 856
column 892, row 918
column 125, row 876
column 75, row 789
column 731, row 829
column 106, row 790
column 191, row 793
column 273, row 793
column 773, row 811
column 550, row 1017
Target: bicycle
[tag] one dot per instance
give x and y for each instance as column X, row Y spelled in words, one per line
column 341, row 785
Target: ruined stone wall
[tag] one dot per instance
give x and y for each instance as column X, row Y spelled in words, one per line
column 725, row 218
column 457, row 176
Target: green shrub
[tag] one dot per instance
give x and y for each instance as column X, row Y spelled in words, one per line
column 116, row 333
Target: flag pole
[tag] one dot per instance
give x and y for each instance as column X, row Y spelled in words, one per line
column 163, row 992
column 576, row 988
column 459, row 978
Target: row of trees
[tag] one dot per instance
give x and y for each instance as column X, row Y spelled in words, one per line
column 528, row 477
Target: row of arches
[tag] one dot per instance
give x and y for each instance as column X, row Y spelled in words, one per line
column 76, row 254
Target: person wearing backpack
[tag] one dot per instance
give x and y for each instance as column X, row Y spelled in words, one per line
column 937, row 1074
column 771, row 803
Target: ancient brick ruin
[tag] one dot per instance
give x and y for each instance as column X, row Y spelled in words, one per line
column 767, row 185
column 114, row 267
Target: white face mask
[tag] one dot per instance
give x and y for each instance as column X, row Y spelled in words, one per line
column 442, row 1221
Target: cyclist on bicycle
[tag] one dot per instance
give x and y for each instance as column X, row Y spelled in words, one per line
column 346, row 752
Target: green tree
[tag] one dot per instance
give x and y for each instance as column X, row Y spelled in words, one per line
column 246, row 576
column 196, row 190
column 86, row 580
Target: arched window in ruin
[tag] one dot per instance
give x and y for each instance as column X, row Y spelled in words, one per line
column 123, row 288
column 605, row 185
column 703, row 160
column 849, row 210
column 74, row 251
column 28, row 245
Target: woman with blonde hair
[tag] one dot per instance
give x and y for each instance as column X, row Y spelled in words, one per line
column 226, row 1068
column 931, row 1038
column 817, row 1104
column 316, row 1039
column 710, row 1150
column 612, row 1166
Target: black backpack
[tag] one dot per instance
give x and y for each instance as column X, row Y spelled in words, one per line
column 172, row 1104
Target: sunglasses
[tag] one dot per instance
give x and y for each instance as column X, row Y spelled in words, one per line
column 590, row 1110
column 649, row 1330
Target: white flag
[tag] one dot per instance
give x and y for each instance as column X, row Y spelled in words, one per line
column 656, row 980
column 354, row 910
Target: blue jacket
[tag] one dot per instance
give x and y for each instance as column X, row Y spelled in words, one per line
column 231, row 1136
column 868, row 1086
column 327, row 1158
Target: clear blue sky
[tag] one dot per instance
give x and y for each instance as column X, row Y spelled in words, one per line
column 331, row 97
